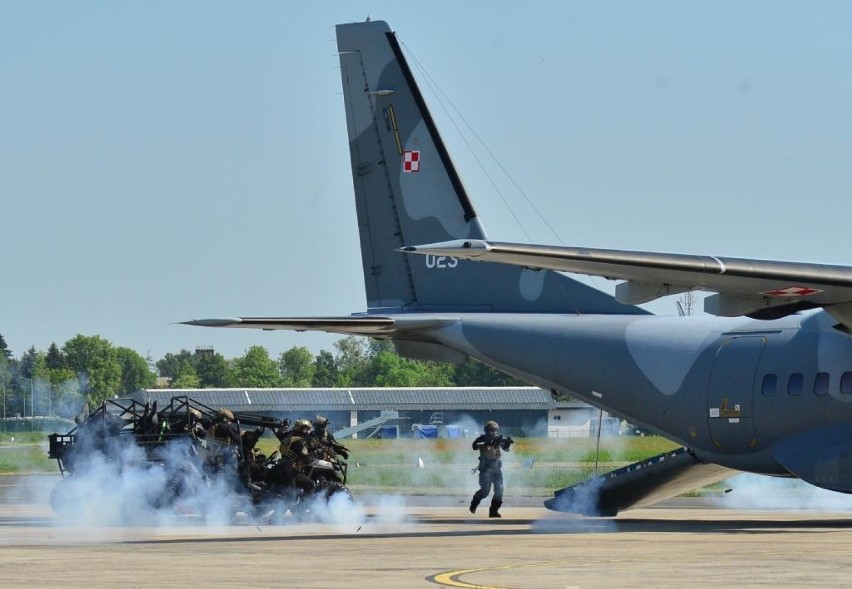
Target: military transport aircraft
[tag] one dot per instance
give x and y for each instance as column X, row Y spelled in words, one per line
column 759, row 387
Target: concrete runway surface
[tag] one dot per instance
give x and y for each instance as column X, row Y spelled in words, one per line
column 430, row 542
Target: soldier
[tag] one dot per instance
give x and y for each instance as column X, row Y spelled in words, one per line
column 296, row 456
column 194, row 425
column 490, row 467
column 283, row 430
column 326, row 438
column 223, row 430
column 223, row 439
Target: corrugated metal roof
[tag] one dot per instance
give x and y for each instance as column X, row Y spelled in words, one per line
column 363, row 399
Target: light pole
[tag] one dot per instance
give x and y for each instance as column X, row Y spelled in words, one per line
column 24, row 397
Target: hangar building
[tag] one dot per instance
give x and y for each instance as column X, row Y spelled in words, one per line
column 520, row 411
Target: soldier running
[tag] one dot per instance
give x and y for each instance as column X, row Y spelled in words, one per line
column 490, row 467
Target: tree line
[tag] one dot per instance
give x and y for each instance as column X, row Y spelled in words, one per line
column 90, row 368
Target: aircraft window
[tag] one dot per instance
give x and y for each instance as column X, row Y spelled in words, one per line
column 846, row 383
column 821, row 383
column 770, row 384
column 795, row 384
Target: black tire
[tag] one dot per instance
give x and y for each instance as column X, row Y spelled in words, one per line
column 328, row 489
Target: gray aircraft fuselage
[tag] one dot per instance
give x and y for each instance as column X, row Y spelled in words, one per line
column 696, row 380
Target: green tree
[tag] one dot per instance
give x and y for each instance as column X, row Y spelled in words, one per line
column 135, row 374
column 63, row 384
column 5, row 352
column 94, row 361
column 186, row 378
column 392, row 370
column 296, row 367
column 473, row 373
column 54, row 357
column 325, row 370
column 5, row 383
column 352, row 361
column 255, row 370
column 26, row 364
column 212, row 369
column 172, row 364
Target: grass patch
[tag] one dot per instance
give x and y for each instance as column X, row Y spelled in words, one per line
column 22, row 438
column 25, row 458
column 534, row 465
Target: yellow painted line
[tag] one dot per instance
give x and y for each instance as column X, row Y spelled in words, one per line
column 451, row 578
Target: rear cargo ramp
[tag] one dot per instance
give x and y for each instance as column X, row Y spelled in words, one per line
column 639, row 484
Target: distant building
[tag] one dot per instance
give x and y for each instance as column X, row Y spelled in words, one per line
column 520, row 411
column 575, row 419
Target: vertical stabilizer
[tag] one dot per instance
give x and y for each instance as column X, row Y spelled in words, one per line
column 408, row 192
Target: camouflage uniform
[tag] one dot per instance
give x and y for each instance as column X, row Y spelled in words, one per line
column 490, row 445
column 296, row 455
column 326, row 438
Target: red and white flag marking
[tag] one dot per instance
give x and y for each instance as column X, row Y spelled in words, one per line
column 791, row 291
column 410, row 161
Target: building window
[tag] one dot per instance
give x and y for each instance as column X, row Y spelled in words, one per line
column 821, row 381
column 770, row 385
column 846, row 383
column 795, row 384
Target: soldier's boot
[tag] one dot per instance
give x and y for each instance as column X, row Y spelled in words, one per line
column 495, row 508
column 474, row 503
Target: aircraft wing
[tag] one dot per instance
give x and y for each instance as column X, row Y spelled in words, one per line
column 762, row 289
column 369, row 325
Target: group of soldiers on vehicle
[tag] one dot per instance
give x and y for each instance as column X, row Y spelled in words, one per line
column 291, row 467
column 198, row 447
column 308, row 463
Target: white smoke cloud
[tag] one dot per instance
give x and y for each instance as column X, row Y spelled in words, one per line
column 115, row 482
column 752, row 491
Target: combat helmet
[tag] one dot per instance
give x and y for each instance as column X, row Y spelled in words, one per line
column 320, row 421
column 302, row 425
column 225, row 415
column 492, row 427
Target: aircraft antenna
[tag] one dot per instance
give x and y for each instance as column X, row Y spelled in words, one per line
column 438, row 93
column 441, row 97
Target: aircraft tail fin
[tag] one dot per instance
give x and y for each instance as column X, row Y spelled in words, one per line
column 408, row 192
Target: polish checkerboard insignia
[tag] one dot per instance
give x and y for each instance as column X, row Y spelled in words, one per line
column 791, row 291
column 410, row 161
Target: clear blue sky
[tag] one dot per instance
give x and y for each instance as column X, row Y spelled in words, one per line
column 162, row 161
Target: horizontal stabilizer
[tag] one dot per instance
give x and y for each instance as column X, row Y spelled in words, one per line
column 762, row 289
column 375, row 326
column 638, row 485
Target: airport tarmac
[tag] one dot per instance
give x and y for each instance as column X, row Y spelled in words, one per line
column 431, row 542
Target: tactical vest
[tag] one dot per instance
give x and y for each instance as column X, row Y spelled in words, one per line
column 490, row 452
column 221, row 433
column 286, row 448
